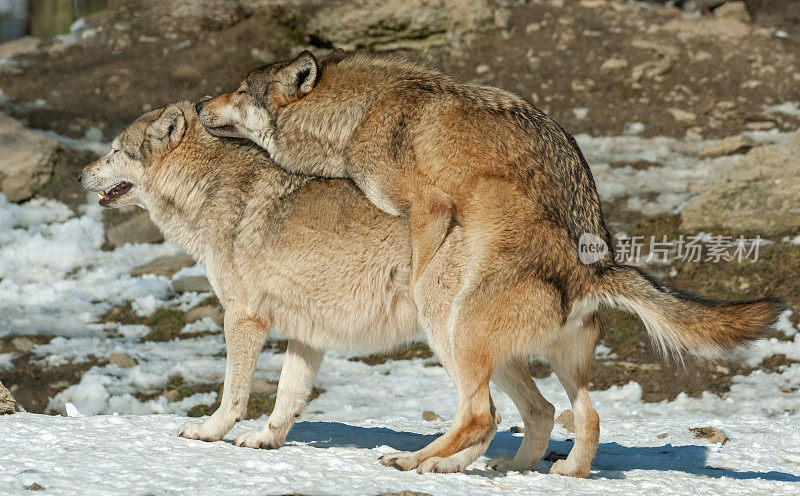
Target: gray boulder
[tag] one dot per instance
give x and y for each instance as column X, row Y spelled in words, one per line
column 758, row 195
column 137, row 229
column 198, row 284
column 7, row 402
column 393, row 24
column 164, row 266
column 27, row 160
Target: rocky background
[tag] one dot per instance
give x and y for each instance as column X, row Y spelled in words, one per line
column 688, row 70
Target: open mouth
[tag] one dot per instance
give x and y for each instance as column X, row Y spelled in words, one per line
column 114, row 193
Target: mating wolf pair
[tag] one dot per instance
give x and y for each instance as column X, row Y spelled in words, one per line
column 373, row 200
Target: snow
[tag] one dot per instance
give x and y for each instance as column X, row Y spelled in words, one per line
column 55, row 280
column 142, row 455
column 673, row 171
column 788, row 108
column 93, row 140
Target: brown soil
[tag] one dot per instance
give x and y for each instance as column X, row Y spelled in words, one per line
column 176, row 390
column 116, row 77
column 415, row 350
column 33, row 385
column 548, row 53
column 553, row 56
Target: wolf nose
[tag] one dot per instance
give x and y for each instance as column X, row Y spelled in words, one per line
column 198, row 107
column 79, row 175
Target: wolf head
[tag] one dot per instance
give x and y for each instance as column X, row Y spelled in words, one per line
column 251, row 111
column 119, row 176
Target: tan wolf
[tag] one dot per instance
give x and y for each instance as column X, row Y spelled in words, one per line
column 440, row 152
column 314, row 259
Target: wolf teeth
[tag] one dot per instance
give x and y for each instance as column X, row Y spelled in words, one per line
column 101, row 195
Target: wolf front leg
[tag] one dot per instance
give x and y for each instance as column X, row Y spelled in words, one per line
column 299, row 368
column 429, row 218
column 244, row 339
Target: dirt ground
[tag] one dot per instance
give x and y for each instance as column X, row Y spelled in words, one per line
column 593, row 65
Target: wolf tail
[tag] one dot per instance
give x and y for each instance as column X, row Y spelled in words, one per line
column 679, row 322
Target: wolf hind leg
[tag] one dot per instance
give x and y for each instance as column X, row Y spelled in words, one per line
column 515, row 379
column 470, row 364
column 571, row 361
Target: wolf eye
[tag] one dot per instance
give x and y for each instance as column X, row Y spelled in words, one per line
column 240, row 92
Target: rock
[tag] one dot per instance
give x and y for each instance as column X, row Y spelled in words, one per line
column 394, row 24
column 712, row 27
column 765, row 180
column 700, row 5
column 164, row 266
column 682, row 115
column 122, row 360
column 593, row 4
column 567, row 419
column 23, row 345
column 651, row 69
column 613, row 64
column 35, row 487
column 137, row 229
column 27, row 160
column 405, row 493
column 663, row 435
column 214, row 312
column 262, row 387
column 430, row 416
column 7, row 402
column 515, row 429
column 171, row 395
column 502, row 18
column 736, row 11
column 728, row 146
column 774, row 12
column 532, row 27
column 760, row 125
column 263, row 55
column 20, row 46
column 198, row 284
column 710, row 433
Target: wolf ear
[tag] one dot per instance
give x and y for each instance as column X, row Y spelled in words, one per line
column 167, row 130
column 302, row 74
column 334, row 57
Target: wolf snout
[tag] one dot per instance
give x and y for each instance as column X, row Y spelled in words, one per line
column 198, row 107
column 79, row 175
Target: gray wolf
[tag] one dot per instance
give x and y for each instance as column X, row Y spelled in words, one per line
column 438, row 152
column 315, row 259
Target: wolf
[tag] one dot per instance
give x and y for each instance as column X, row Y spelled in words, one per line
column 315, row 259
column 440, row 153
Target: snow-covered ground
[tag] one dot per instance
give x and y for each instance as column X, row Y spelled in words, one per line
column 55, row 280
column 141, row 455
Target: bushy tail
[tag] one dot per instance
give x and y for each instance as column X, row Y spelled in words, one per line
column 680, row 322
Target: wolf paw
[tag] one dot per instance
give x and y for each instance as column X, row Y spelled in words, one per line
column 439, row 465
column 508, row 464
column 258, row 439
column 564, row 467
column 201, row 432
column 400, row 461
